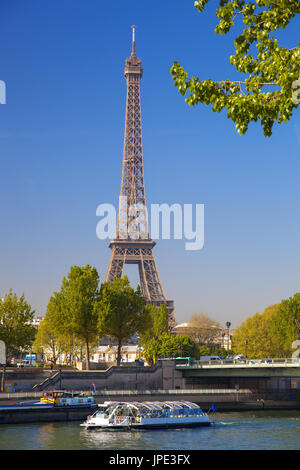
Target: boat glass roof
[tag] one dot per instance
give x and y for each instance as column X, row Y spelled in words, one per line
column 157, row 405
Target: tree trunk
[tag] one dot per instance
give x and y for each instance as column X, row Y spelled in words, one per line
column 87, row 354
column 119, row 352
column 3, row 378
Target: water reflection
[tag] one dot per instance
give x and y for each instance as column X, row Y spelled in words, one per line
column 46, row 436
column 145, row 439
column 98, row 439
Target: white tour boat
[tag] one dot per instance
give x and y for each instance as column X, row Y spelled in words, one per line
column 146, row 415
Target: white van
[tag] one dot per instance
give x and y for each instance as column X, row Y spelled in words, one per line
column 210, row 358
column 25, row 363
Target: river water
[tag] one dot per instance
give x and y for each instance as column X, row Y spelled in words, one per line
column 262, row 430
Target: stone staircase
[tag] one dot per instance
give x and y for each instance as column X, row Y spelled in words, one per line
column 53, row 379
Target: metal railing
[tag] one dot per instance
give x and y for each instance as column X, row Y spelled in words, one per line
column 253, row 363
column 48, row 381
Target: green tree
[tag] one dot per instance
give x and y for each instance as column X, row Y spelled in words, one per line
column 16, row 328
column 283, row 328
column 204, row 351
column 170, row 345
column 268, row 89
column 158, row 323
column 256, row 331
column 121, row 312
column 223, row 352
column 71, row 311
column 80, row 291
column 48, row 340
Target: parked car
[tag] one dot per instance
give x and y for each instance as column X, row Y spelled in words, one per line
column 210, row 358
column 11, row 364
column 266, row 360
column 235, row 357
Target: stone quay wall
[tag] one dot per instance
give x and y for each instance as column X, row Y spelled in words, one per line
column 114, row 378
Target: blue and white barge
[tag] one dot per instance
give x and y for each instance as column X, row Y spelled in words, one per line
column 114, row 415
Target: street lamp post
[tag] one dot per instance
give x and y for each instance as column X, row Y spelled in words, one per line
column 246, row 344
column 155, row 338
column 136, row 372
column 223, row 339
column 137, row 359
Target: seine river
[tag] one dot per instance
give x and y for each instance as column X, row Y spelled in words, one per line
column 230, row 431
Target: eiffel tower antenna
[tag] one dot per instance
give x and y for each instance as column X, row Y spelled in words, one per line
column 133, row 40
column 132, row 244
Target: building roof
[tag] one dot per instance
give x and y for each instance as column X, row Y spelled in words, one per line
column 183, row 325
column 124, row 349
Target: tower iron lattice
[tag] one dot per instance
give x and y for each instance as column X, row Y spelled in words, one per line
column 132, row 243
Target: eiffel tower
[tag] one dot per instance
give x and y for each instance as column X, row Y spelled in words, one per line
column 132, row 243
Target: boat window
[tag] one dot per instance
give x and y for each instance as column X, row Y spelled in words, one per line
column 149, row 409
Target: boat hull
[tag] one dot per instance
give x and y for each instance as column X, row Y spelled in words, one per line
column 146, row 426
column 44, row 413
column 140, row 426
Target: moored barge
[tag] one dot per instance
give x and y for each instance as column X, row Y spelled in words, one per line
column 53, row 406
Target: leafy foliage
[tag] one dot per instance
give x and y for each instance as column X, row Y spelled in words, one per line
column 223, row 352
column 204, row 351
column 283, row 327
column 48, row 339
column 170, row 345
column 16, row 328
column 121, row 312
column 270, row 333
column 256, row 331
column 80, row 292
column 158, row 323
column 268, row 90
column 71, row 313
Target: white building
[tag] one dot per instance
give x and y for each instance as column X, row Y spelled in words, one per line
column 108, row 353
column 36, row 321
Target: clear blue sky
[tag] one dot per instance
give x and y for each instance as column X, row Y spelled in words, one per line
column 61, row 140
